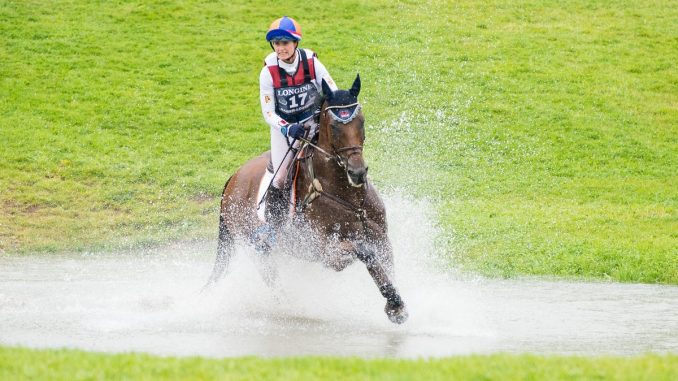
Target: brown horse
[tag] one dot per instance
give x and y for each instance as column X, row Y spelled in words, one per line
column 337, row 212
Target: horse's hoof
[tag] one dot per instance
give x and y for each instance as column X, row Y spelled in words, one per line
column 396, row 312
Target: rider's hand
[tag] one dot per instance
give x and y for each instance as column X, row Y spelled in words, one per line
column 294, row 131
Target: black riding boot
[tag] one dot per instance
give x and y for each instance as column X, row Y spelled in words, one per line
column 276, row 207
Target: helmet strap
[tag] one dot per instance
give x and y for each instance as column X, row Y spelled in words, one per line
column 294, row 55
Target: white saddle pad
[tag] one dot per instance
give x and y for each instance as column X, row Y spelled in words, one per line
column 265, row 180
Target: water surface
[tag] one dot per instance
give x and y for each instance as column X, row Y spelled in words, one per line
column 149, row 301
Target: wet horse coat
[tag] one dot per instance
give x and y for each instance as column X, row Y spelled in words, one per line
column 337, row 212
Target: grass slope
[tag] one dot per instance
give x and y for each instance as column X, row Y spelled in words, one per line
column 25, row 364
column 545, row 131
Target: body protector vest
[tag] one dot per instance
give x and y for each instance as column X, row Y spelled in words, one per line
column 295, row 96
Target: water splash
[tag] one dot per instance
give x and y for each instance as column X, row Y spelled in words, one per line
column 150, row 302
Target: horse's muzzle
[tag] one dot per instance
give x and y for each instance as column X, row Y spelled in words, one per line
column 357, row 177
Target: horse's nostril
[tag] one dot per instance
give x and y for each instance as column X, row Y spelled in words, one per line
column 358, row 175
column 357, row 172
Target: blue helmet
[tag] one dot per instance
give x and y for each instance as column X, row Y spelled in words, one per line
column 284, row 28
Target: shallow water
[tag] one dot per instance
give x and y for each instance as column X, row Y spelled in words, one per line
column 150, row 302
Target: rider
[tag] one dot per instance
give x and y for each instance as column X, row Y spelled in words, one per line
column 289, row 86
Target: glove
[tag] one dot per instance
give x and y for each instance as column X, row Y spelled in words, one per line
column 294, row 131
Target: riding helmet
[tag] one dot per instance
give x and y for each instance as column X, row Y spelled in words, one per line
column 284, row 28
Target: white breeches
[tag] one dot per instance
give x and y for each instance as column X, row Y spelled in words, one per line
column 279, row 148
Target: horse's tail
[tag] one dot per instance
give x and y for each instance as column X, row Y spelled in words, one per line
column 223, row 229
column 224, row 246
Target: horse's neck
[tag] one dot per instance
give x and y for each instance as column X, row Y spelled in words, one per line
column 326, row 167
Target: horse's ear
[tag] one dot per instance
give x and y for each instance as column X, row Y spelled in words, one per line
column 326, row 89
column 355, row 89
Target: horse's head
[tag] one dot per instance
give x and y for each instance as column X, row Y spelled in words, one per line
column 342, row 130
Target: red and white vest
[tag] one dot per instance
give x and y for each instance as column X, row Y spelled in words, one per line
column 295, row 95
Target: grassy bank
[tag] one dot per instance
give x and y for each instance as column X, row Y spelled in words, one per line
column 25, row 364
column 546, row 133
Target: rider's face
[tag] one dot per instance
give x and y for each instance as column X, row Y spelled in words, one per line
column 285, row 50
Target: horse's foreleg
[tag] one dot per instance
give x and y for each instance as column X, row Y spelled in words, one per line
column 224, row 253
column 395, row 307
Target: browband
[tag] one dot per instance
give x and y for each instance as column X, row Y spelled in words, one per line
column 344, row 113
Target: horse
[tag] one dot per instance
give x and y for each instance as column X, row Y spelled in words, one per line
column 337, row 210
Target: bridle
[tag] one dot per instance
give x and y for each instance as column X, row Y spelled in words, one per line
column 336, row 154
column 316, row 189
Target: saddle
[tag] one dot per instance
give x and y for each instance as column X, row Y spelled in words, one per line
column 294, row 166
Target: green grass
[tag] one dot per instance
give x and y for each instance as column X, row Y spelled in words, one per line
column 545, row 132
column 25, row 364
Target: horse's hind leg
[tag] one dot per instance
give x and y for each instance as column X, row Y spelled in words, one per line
column 224, row 253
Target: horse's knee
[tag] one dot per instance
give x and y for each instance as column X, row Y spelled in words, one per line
column 365, row 254
column 386, row 259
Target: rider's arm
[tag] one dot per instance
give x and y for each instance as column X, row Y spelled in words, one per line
column 268, row 101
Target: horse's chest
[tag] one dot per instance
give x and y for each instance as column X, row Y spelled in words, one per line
column 332, row 221
column 347, row 228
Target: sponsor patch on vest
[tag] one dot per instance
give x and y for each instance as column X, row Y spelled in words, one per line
column 296, row 100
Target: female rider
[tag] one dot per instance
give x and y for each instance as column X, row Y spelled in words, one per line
column 289, row 86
